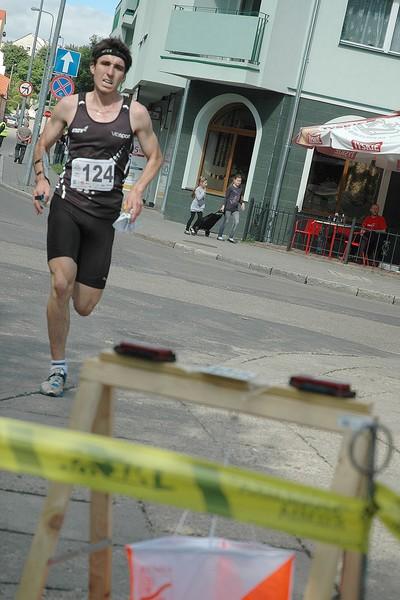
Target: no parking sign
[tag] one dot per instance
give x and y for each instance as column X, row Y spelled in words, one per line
column 62, row 85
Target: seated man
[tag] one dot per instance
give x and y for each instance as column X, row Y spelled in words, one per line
column 373, row 227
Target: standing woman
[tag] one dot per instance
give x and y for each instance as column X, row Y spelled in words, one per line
column 197, row 206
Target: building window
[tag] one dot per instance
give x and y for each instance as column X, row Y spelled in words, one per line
column 228, row 147
column 128, row 36
column 250, row 7
column 374, row 24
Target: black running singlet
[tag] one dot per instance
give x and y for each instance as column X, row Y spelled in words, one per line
column 97, row 162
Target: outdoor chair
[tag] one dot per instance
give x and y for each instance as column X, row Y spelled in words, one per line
column 308, row 230
column 356, row 242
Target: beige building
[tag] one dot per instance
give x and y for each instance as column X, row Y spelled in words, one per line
column 26, row 42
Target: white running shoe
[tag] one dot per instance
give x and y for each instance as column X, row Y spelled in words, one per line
column 220, row 238
column 54, row 384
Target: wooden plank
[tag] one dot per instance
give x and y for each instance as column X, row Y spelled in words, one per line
column 100, row 563
column 324, row 566
column 283, row 404
column 189, row 372
column 352, row 572
column 45, row 540
column 351, row 579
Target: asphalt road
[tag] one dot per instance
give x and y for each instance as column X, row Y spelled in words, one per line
column 209, row 312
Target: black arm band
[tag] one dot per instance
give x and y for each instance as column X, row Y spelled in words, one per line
column 44, row 176
column 37, row 161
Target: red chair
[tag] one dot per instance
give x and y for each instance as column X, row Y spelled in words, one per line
column 310, row 229
column 356, row 243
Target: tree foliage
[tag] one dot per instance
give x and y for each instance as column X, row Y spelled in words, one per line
column 16, row 61
column 84, row 81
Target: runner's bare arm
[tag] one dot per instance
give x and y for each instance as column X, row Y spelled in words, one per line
column 62, row 114
column 142, row 126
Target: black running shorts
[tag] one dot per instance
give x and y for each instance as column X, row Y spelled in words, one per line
column 86, row 239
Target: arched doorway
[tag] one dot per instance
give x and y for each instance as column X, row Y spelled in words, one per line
column 228, row 147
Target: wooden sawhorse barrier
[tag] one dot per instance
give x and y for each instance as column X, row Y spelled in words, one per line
column 93, row 412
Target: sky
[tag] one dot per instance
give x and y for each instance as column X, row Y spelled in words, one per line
column 82, row 19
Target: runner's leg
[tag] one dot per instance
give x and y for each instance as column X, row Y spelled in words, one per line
column 63, row 273
column 85, row 298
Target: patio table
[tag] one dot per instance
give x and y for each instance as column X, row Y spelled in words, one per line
column 336, row 228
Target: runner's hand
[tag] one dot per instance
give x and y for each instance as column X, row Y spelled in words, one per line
column 42, row 188
column 133, row 204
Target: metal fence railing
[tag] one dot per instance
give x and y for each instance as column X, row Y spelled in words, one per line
column 329, row 237
column 266, row 224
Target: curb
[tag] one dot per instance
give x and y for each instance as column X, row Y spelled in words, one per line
column 13, row 189
column 281, row 273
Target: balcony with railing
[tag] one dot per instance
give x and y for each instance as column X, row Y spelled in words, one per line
column 215, row 36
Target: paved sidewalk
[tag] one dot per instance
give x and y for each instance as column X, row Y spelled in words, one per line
column 366, row 282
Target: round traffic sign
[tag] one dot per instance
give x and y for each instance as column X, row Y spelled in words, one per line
column 62, row 85
column 25, row 88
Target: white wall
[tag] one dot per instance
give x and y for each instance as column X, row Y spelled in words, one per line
column 284, row 42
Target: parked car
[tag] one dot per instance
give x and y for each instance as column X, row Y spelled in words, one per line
column 11, row 121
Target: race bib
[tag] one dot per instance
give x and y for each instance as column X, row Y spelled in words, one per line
column 92, row 174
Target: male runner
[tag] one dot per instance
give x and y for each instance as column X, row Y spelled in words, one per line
column 88, row 196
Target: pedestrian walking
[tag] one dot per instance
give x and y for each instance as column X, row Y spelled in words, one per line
column 59, row 150
column 87, row 200
column 233, row 203
column 197, row 206
column 3, row 132
column 24, row 137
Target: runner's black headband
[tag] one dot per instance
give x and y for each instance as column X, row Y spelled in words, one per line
column 113, row 52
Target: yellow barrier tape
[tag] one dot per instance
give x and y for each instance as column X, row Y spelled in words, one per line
column 166, row 477
column 388, row 508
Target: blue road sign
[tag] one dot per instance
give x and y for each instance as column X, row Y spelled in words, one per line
column 67, row 62
column 62, row 85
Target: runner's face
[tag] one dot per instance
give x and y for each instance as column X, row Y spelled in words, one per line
column 108, row 72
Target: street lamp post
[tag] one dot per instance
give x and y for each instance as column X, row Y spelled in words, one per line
column 28, row 76
column 36, row 9
column 46, row 64
column 44, row 91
